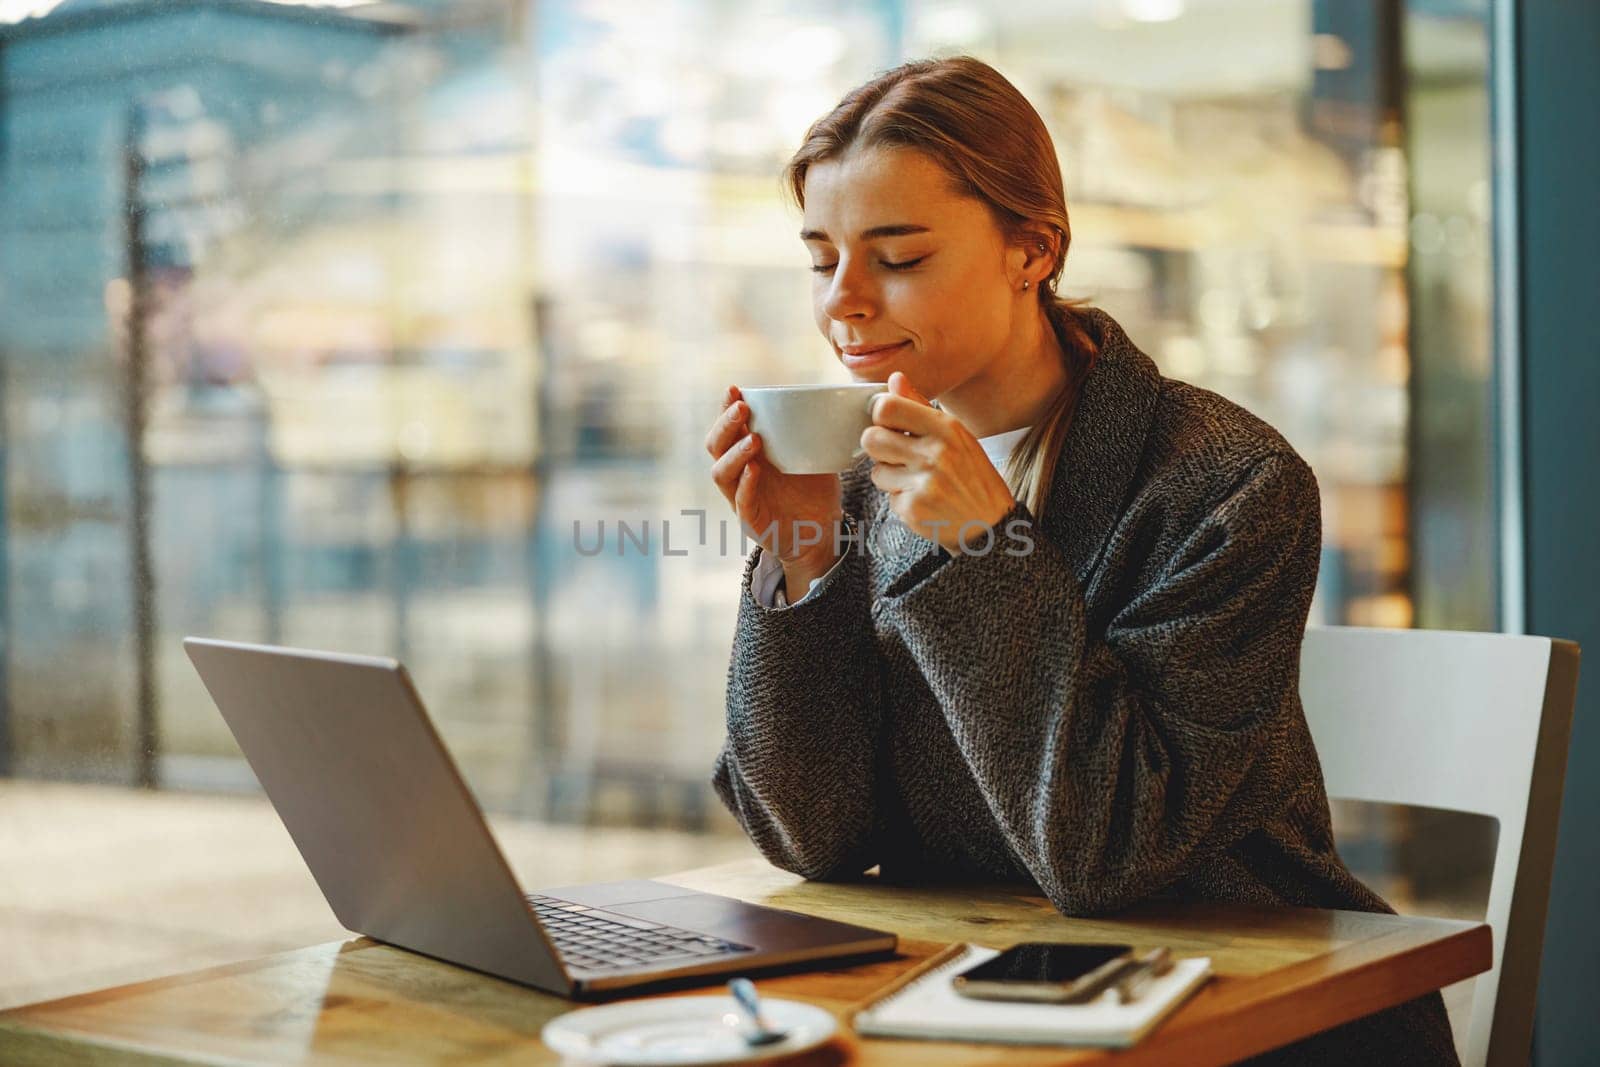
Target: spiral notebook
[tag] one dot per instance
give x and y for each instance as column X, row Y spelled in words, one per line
column 929, row 1008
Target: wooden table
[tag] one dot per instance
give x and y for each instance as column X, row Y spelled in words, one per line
column 1282, row 974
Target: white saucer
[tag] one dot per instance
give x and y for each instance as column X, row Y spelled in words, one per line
column 680, row 1030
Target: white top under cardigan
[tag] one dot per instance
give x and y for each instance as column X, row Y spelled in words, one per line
column 767, row 582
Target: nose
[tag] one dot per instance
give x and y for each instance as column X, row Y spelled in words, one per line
column 850, row 293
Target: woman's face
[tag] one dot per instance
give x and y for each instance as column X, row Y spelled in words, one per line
column 900, row 260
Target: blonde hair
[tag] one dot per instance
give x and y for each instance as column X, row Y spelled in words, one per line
column 967, row 117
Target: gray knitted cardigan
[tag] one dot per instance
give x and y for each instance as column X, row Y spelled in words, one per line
column 1109, row 716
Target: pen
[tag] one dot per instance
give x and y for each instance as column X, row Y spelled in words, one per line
column 1145, row 970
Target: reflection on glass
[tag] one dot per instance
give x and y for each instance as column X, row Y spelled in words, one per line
column 415, row 289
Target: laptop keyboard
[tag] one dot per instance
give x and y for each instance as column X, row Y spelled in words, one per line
column 600, row 940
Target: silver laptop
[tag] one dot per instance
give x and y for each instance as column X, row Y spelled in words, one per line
column 346, row 753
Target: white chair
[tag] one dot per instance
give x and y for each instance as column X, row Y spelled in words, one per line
column 1466, row 722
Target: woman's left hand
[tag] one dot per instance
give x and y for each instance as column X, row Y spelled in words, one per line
column 939, row 480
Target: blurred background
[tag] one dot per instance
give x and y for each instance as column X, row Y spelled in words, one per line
column 324, row 324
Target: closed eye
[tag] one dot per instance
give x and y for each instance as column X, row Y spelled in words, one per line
column 823, row 268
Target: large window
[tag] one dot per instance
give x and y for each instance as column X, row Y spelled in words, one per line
column 327, row 325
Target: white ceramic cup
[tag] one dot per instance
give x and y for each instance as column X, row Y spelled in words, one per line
column 811, row 429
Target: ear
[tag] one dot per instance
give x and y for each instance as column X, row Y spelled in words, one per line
column 1016, row 263
column 1037, row 246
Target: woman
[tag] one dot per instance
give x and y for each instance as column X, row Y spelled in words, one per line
column 1109, row 714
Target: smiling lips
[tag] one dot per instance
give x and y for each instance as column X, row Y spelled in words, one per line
column 864, row 355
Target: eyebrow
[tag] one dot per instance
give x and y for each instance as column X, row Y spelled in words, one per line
column 896, row 230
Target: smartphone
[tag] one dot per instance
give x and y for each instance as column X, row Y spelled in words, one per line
column 1046, row 972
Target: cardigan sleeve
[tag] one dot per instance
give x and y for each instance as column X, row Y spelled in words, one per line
column 797, row 767
column 1115, row 758
column 766, row 582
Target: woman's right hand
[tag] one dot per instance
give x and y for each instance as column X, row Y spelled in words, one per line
column 792, row 516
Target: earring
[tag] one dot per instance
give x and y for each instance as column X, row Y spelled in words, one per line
column 1024, row 285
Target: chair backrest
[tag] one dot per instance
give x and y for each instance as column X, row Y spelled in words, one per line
column 1466, row 722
